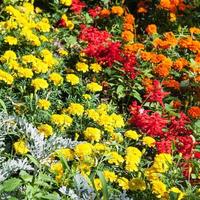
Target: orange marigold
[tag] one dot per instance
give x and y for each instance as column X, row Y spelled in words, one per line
column 157, row 58
column 117, row 10
column 129, row 19
column 180, row 63
column 128, row 27
column 171, row 84
column 133, row 48
column 176, row 104
column 127, row 36
column 194, row 30
column 151, row 29
column 104, row 13
column 146, row 56
column 194, row 112
column 163, row 69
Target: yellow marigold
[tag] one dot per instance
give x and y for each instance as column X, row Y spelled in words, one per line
column 162, row 162
column 38, row 66
column 131, row 134
column 13, row 64
column 97, row 184
column 24, row 72
column 66, row 153
column 117, row 120
column 149, row 141
column 56, row 78
column 43, row 38
column 110, row 176
column 39, row 83
column 61, row 120
column 127, row 36
column 86, row 96
column 137, row 184
column 159, row 188
column 92, row 134
column 44, row 104
column 94, row 87
column 177, row 191
column 123, row 183
column 75, row 109
column 100, row 148
column 8, row 55
column 117, row 10
column 45, row 130
column 10, row 40
column 57, row 168
column 6, row 77
column 66, row 2
column 95, row 67
column 63, row 52
column 93, row 114
column 83, row 149
column 43, row 25
column 73, row 79
column 20, row 147
column 82, row 67
column 133, row 157
column 70, row 25
column 115, row 158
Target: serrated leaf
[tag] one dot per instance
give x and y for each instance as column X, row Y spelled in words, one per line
column 136, row 95
column 11, row 184
column 25, row 176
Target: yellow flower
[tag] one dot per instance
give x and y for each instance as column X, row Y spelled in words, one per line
column 8, row 55
column 43, row 25
column 43, row 38
column 99, row 147
column 115, row 158
column 86, row 96
column 177, row 191
column 56, row 78
column 149, row 141
column 75, row 109
column 162, row 162
column 44, row 104
column 93, row 114
column 110, row 176
column 159, row 188
column 94, row 87
column 95, row 67
column 82, row 67
column 92, row 134
column 97, row 184
column 70, row 25
column 66, row 153
column 73, row 79
column 57, row 168
column 117, row 120
column 123, row 183
column 6, row 77
column 20, row 147
column 45, row 130
column 66, row 2
column 24, row 72
column 131, row 134
column 61, row 120
column 39, row 83
column 63, row 52
column 133, row 157
column 137, row 184
column 83, row 149
column 10, row 40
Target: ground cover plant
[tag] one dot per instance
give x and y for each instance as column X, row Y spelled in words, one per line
column 99, row 100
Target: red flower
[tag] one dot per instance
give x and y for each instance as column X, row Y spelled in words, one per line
column 94, row 12
column 61, row 23
column 164, row 146
column 156, row 94
column 77, row 6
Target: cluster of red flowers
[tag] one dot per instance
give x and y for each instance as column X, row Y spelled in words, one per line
column 77, row 6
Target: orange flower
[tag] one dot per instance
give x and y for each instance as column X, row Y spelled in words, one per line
column 197, row 58
column 189, row 43
column 170, row 38
column 148, row 84
column 129, row 19
column 163, row 68
column 157, row 58
column 151, row 29
column 133, row 48
column 104, row 13
column 171, row 84
column 158, row 43
column 194, row 112
column 180, row 63
column 172, row 17
column 118, row 10
column 128, row 27
column 146, row 56
column 142, row 10
column 194, row 30
column 177, row 104
column 127, row 36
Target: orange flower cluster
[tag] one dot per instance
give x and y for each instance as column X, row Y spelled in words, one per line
column 189, row 43
column 152, row 57
column 116, row 10
column 148, row 84
column 171, row 84
column 128, row 27
column 168, row 41
column 151, row 29
column 180, row 63
column 133, row 48
column 163, row 68
column 172, row 5
column 104, row 13
column 194, row 30
column 194, row 112
column 142, row 7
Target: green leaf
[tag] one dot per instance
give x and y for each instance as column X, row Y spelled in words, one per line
column 11, row 184
column 173, row 196
column 33, row 160
column 13, row 198
column 53, row 196
column 136, row 95
column 120, row 91
column 104, row 185
column 25, row 176
column 3, row 105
